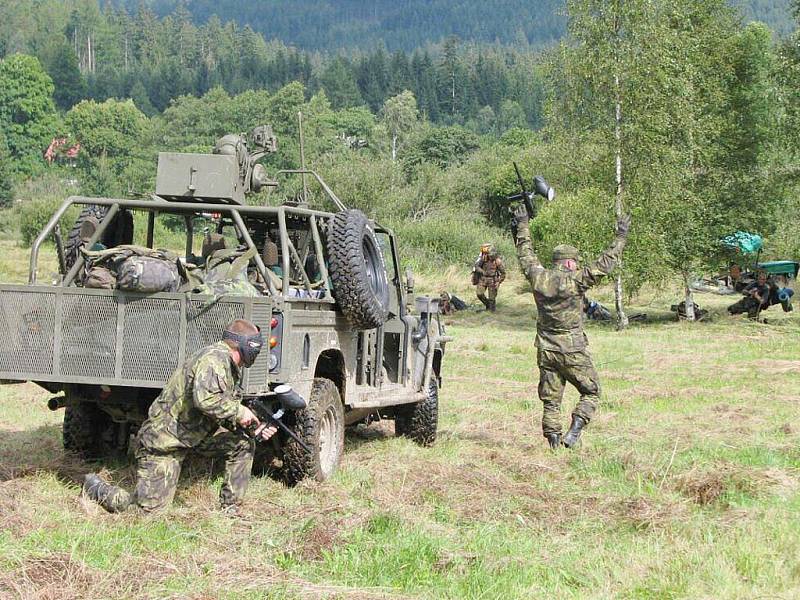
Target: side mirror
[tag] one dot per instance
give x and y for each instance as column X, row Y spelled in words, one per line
column 543, row 189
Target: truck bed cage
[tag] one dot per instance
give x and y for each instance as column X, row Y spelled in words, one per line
column 157, row 205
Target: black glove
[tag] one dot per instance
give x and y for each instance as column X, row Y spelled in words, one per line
column 623, row 225
column 520, row 218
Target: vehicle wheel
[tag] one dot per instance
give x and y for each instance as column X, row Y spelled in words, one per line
column 84, row 423
column 357, row 270
column 320, row 426
column 120, row 231
column 419, row 420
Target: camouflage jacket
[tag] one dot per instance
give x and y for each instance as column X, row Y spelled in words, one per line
column 491, row 272
column 559, row 293
column 198, row 398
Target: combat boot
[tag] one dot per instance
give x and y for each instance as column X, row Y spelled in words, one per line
column 554, row 439
column 574, row 433
column 492, row 306
column 110, row 497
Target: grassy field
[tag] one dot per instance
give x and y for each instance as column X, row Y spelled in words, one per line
column 687, row 485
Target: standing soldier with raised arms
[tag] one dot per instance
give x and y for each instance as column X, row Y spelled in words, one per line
column 562, row 353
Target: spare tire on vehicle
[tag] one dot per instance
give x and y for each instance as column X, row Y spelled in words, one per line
column 119, row 232
column 357, row 270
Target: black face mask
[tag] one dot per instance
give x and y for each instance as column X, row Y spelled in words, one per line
column 248, row 345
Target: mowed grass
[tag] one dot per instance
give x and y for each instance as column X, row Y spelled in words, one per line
column 686, row 485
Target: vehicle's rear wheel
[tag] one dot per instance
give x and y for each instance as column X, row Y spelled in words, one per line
column 90, row 432
column 357, row 270
column 321, row 427
column 120, row 231
column 84, row 428
column 419, row 421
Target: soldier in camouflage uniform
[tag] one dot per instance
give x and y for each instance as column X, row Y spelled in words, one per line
column 199, row 398
column 561, row 342
column 487, row 275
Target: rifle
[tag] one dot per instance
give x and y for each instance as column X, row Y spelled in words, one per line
column 290, row 400
column 540, row 188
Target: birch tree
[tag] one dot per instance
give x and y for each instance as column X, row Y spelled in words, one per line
column 400, row 114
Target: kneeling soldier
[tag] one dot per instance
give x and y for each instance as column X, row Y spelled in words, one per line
column 199, row 398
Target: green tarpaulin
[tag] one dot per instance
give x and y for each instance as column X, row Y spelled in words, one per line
column 744, row 242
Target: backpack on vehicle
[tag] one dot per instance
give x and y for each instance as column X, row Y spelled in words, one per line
column 148, row 274
column 132, row 268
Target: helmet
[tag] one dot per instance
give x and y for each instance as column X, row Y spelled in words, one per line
column 565, row 252
column 488, row 249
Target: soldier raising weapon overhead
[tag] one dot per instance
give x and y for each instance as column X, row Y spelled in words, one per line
column 561, row 342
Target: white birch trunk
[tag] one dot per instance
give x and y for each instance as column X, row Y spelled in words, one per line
column 688, row 298
column 394, row 147
column 622, row 318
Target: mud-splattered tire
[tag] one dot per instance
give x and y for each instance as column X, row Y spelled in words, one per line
column 357, row 270
column 82, row 429
column 419, row 421
column 320, row 426
column 120, row 231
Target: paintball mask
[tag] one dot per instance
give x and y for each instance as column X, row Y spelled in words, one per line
column 248, row 345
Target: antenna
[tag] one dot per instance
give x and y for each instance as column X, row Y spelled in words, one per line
column 302, row 157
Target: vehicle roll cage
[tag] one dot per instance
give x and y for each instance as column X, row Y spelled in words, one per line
column 157, row 205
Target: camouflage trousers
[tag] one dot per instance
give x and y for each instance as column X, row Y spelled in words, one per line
column 555, row 370
column 157, row 474
column 482, row 290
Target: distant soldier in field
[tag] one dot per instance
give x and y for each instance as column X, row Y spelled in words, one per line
column 562, row 345
column 487, row 275
column 199, row 398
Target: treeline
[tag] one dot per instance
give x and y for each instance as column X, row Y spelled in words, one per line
column 107, row 53
column 331, row 25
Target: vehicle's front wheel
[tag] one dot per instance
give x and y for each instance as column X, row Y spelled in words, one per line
column 321, row 427
column 419, row 421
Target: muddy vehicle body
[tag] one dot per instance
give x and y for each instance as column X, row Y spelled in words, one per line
column 345, row 330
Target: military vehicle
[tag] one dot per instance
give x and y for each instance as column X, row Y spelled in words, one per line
column 345, row 330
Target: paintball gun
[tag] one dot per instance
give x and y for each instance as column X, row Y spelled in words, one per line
column 290, row 400
column 540, row 188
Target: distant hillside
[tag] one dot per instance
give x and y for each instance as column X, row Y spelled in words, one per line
column 409, row 24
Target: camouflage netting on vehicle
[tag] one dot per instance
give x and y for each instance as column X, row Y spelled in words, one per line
column 226, row 274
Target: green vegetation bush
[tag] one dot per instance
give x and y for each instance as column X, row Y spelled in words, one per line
column 447, row 239
column 39, row 199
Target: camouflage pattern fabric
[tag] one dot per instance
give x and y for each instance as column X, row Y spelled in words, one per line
column 491, row 272
column 483, row 292
column 557, row 368
column 560, row 339
column 559, row 293
column 197, row 399
column 157, row 474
